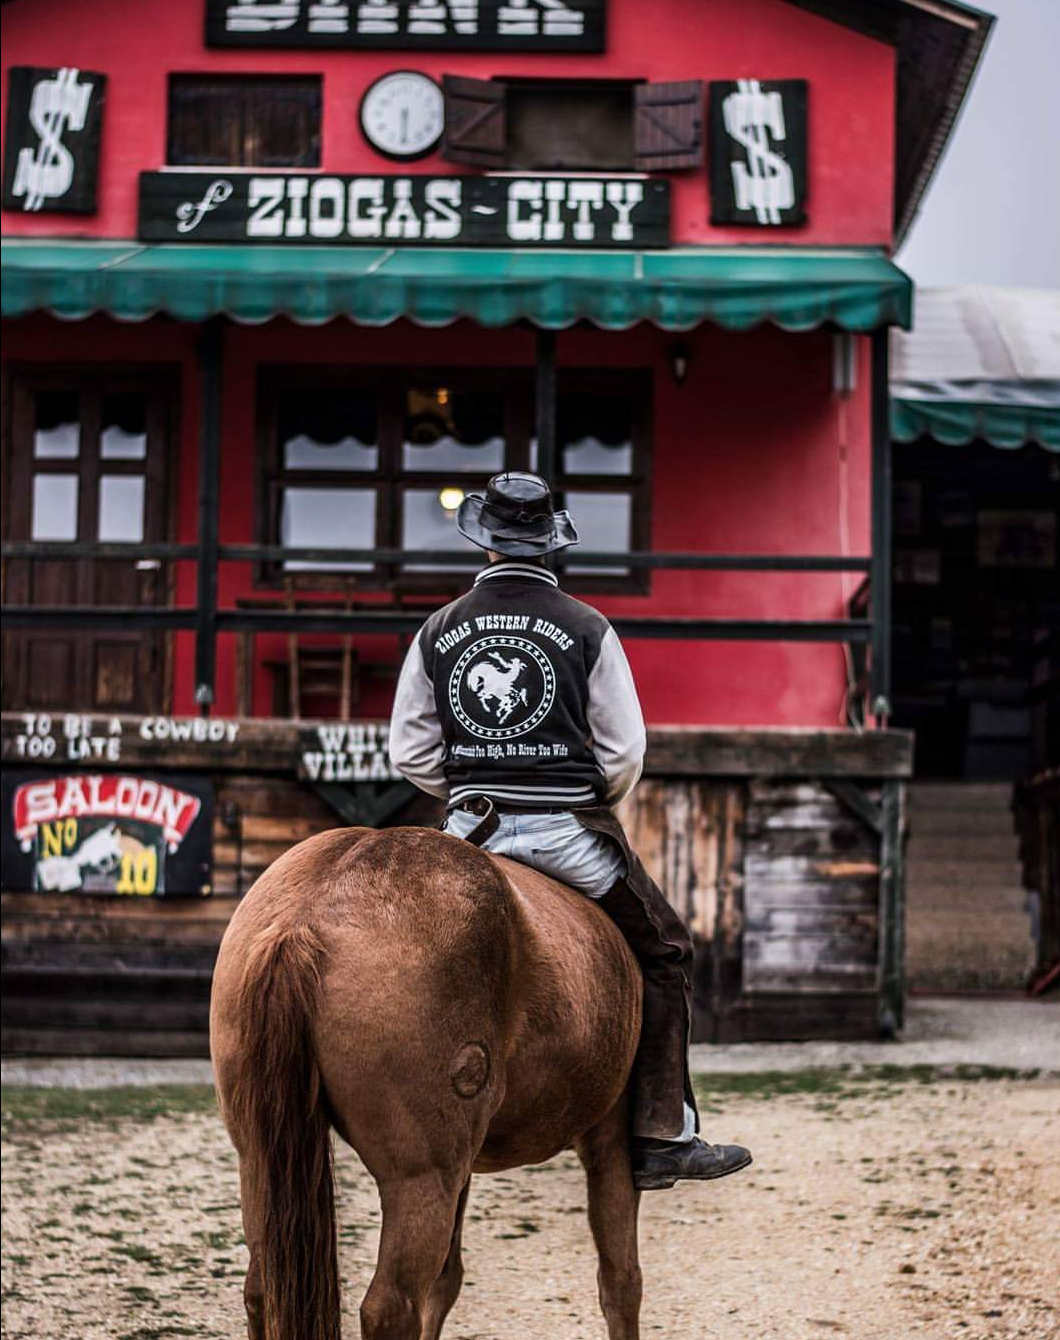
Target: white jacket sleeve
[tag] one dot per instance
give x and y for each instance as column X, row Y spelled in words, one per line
column 416, row 744
column 615, row 719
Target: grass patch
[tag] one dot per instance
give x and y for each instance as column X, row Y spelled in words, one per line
column 23, row 1104
column 842, row 1082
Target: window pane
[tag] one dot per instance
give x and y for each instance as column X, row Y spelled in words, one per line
column 205, row 123
column 123, row 429
column 282, row 126
column 235, row 121
column 590, row 456
column 594, row 431
column 552, row 126
column 328, row 430
column 327, row 519
column 603, row 524
column 426, row 524
column 54, row 507
column 302, row 453
column 453, row 431
column 57, row 430
column 121, row 509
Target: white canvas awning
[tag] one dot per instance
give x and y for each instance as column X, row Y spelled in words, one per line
column 980, row 362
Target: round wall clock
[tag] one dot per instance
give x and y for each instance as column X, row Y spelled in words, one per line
column 403, row 114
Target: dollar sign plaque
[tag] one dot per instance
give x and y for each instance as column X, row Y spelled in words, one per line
column 758, row 152
column 51, row 154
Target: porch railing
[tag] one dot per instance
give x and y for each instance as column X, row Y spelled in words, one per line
column 207, row 619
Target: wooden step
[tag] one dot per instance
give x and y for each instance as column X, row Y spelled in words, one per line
column 33, row 1040
column 960, row 795
column 965, row 896
column 960, row 822
column 984, row 953
column 973, row 846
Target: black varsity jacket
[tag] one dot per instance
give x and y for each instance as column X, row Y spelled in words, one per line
column 518, row 692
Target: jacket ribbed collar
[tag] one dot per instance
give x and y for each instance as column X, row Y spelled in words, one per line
column 516, row 571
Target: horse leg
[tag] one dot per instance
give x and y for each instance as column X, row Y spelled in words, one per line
column 613, row 1206
column 446, row 1287
column 253, row 1290
column 418, row 1218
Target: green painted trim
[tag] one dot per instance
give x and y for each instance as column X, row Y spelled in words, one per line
column 737, row 288
column 956, row 423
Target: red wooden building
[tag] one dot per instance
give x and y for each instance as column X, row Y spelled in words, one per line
column 280, row 282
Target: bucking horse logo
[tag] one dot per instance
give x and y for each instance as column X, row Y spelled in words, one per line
column 494, row 682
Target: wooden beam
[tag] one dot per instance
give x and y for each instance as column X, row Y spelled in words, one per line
column 365, row 806
column 892, row 910
column 777, row 752
column 856, row 801
column 882, row 503
column 210, row 359
column 259, row 745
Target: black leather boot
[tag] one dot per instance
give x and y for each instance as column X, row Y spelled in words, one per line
column 658, row 1164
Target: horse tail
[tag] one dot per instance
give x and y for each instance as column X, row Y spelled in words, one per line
column 278, row 1109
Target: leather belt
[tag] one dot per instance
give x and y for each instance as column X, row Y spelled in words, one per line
column 487, row 824
column 481, row 805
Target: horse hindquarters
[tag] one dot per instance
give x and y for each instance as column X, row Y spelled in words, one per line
column 412, row 1035
column 269, row 1088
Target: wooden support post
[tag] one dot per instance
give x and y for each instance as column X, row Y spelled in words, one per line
column 545, row 403
column 892, row 908
column 210, row 358
column 880, row 674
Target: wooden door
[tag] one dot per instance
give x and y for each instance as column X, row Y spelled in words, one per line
column 87, row 462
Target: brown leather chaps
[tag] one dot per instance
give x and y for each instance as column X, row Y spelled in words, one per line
column 663, row 947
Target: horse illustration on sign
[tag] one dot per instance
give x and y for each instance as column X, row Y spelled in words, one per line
column 496, row 683
column 62, row 874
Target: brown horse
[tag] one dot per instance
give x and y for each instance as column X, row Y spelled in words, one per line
column 447, row 1012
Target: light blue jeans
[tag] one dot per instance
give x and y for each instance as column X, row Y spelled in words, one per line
column 555, row 844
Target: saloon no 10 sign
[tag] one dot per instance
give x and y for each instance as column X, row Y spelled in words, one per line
column 520, row 211
column 123, row 834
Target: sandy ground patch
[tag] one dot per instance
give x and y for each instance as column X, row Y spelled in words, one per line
column 878, row 1208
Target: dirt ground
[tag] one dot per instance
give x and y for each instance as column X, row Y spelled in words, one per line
column 883, row 1205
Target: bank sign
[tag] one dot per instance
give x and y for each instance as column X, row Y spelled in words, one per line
column 509, row 211
column 106, row 833
column 449, row 25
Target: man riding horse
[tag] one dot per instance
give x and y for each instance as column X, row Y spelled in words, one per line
column 516, row 706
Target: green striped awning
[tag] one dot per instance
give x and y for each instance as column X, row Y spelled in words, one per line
column 957, row 422
column 738, row 287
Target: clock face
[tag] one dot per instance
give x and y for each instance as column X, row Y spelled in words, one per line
column 402, row 114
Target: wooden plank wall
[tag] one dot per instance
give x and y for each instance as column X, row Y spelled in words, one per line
column 688, row 833
column 131, row 976
column 811, row 892
column 778, row 880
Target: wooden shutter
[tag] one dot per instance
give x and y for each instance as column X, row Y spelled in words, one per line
column 668, row 125
column 475, row 121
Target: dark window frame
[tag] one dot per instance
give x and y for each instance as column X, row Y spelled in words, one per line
column 390, row 479
column 307, row 86
column 91, row 383
column 523, row 87
column 665, row 129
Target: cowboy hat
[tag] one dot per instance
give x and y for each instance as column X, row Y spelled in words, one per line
column 515, row 516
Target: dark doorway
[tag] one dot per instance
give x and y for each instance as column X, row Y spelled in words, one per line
column 976, row 604
column 87, row 458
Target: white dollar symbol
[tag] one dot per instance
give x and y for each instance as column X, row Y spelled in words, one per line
column 47, row 171
column 765, row 182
